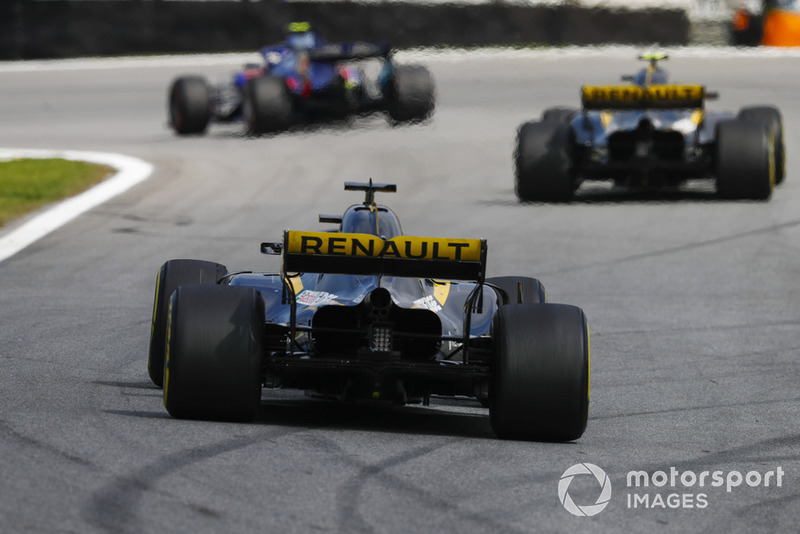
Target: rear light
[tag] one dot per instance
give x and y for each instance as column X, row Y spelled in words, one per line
column 380, row 339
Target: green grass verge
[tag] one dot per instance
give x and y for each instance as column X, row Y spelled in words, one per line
column 28, row 184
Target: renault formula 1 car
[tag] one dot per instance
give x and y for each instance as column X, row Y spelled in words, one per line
column 367, row 313
column 649, row 134
column 301, row 80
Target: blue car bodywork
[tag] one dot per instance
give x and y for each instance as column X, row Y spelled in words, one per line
column 305, row 79
column 309, row 64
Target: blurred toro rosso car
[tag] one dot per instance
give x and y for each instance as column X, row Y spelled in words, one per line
column 650, row 133
column 301, row 80
column 366, row 313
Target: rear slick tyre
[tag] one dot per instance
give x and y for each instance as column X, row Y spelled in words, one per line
column 770, row 117
column 189, row 105
column 267, row 105
column 172, row 274
column 411, row 95
column 543, row 162
column 744, row 161
column 540, row 373
column 215, row 345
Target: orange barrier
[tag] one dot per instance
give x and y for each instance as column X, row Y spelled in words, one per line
column 781, row 28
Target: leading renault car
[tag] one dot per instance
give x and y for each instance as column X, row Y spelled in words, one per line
column 366, row 313
column 650, row 133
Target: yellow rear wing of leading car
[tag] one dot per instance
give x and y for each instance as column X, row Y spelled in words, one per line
column 366, row 254
column 637, row 97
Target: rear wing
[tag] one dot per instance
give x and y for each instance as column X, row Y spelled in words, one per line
column 366, row 254
column 348, row 52
column 637, row 97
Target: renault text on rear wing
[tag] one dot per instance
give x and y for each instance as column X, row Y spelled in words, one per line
column 365, row 254
column 636, row 97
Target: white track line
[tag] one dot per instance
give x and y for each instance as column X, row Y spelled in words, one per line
column 130, row 171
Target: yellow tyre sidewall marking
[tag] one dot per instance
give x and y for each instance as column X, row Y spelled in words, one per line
column 155, row 305
column 168, row 344
column 771, row 161
column 588, row 363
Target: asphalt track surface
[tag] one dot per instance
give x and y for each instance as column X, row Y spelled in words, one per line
column 692, row 303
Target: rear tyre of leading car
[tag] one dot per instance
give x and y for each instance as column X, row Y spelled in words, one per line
column 215, row 343
column 172, row 274
column 540, row 373
column 267, row 105
column 189, row 105
column 410, row 94
column 770, row 117
column 543, row 162
column 744, row 161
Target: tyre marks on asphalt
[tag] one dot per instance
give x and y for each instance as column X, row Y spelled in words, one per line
column 684, row 409
column 350, row 495
column 29, row 442
column 115, row 507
